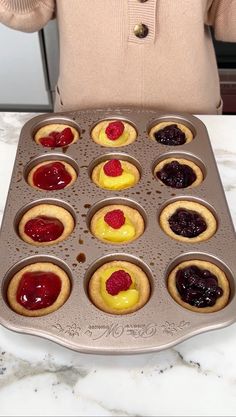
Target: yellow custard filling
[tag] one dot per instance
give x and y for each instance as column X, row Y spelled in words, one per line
column 124, row 233
column 126, row 179
column 124, row 299
column 104, row 140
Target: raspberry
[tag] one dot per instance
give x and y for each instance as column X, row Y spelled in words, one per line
column 114, row 130
column 113, row 168
column 118, row 281
column 115, row 218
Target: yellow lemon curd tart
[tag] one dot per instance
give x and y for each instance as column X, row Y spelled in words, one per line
column 114, row 133
column 117, row 224
column 119, row 287
column 115, row 175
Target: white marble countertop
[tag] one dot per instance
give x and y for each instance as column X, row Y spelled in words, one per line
column 196, row 377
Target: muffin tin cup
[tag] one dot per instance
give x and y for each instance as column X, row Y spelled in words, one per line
column 78, row 324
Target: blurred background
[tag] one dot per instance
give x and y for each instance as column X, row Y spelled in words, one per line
column 29, row 70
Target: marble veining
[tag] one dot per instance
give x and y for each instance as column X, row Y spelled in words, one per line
column 196, row 377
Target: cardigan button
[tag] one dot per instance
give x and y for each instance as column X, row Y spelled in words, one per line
column 141, row 30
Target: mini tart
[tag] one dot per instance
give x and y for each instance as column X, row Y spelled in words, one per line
column 57, row 127
column 133, row 216
column 182, row 161
column 126, row 166
column 160, row 126
column 205, row 213
column 141, row 284
column 51, row 211
column 129, row 135
column 67, row 166
column 222, row 282
column 38, row 267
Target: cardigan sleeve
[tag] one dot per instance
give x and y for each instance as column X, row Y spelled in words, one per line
column 222, row 16
column 26, row 15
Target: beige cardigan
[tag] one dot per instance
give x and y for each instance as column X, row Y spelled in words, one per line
column 103, row 63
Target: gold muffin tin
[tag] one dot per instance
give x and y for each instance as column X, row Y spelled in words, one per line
column 78, row 324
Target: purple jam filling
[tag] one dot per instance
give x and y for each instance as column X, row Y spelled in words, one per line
column 198, row 287
column 170, row 135
column 187, row 223
column 176, row 175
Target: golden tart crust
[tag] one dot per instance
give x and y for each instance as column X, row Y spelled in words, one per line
column 171, row 208
column 126, row 166
column 222, row 282
column 128, row 128
column 142, row 285
column 38, row 267
column 48, row 210
column 44, row 131
column 162, row 125
column 182, row 161
column 131, row 213
column 67, row 166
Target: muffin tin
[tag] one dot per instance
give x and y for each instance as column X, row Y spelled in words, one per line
column 78, row 324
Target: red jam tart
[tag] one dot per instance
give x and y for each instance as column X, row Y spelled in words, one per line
column 114, row 133
column 45, row 224
column 56, row 135
column 52, row 175
column 38, row 289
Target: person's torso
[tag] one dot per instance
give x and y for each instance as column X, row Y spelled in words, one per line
column 103, row 62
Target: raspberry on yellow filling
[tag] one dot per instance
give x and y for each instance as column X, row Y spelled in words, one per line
column 118, row 224
column 114, row 176
column 119, row 287
column 124, row 298
column 114, row 133
column 124, row 233
column 118, row 140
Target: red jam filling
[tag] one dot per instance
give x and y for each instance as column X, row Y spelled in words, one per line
column 114, row 130
column 58, row 139
column 44, row 229
column 51, row 176
column 115, row 218
column 113, row 168
column 118, row 281
column 38, row 290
